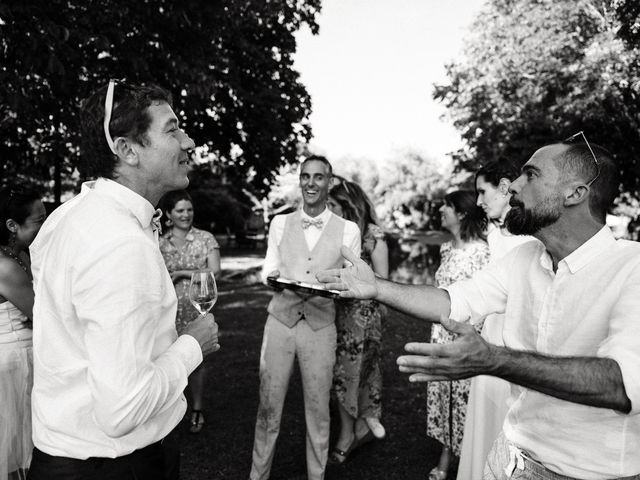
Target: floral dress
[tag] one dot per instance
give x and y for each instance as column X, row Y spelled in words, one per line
column 357, row 376
column 447, row 401
column 191, row 256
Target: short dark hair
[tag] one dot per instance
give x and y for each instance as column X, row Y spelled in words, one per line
column 129, row 118
column 496, row 170
column 474, row 221
column 169, row 201
column 318, row 158
column 15, row 204
column 578, row 161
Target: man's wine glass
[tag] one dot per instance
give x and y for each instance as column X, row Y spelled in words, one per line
column 203, row 291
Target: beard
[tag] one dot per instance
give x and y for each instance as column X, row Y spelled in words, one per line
column 524, row 221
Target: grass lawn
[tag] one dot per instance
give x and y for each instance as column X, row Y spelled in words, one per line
column 222, row 451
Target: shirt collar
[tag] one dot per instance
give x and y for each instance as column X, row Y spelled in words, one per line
column 139, row 206
column 324, row 216
column 598, row 244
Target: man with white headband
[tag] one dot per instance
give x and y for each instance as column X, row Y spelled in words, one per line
column 109, row 368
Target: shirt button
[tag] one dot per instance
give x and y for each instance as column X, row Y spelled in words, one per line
column 309, row 258
column 308, row 271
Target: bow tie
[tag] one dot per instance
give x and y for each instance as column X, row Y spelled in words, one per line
column 306, row 223
column 155, row 221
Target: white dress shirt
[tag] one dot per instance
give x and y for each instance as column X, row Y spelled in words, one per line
column 109, row 368
column 350, row 238
column 589, row 307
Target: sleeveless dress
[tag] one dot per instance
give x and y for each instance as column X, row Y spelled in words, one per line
column 447, row 400
column 16, row 381
column 357, row 375
column 191, row 256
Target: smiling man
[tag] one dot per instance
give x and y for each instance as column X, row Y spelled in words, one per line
column 300, row 245
column 571, row 328
column 109, row 367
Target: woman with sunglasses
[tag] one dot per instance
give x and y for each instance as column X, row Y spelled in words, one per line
column 357, row 373
column 21, row 216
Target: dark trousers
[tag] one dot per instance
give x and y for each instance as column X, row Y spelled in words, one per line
column 160, row 460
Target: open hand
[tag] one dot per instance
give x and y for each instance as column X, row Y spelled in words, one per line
column 467, row 356
column 356, row 281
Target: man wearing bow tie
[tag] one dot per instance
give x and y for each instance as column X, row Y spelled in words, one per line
column 300, row 245
column 109, row 367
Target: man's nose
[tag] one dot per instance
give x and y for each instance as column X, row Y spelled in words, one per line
column 187, row 143
column 514, row 187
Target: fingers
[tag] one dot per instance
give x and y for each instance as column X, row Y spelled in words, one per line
column 329, row 276
column 430, row 349
column 423, row 377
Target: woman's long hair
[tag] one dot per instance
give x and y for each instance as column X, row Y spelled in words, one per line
column 474, row 220
column 356, row 205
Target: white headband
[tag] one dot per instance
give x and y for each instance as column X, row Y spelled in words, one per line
column 108, row 105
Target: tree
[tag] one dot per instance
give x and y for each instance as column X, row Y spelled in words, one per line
column 538, row 71
column 228, row 65
column 408, row 189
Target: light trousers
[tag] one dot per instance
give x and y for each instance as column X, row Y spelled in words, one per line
column 315, row 351
column 504, row 463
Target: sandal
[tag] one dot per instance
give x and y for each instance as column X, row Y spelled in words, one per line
column 197, row 421
column 437, row 474
column 338, row 457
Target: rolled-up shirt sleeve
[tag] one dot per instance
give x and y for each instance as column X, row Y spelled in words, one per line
column 272, row 257
column 483, row 294
column 623, row 340
column 352, row 238
column 119, row 295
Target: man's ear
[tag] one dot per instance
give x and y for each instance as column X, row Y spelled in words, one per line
column 126, row 151
column 503, row 186
column 576, row 193
column 11, row 225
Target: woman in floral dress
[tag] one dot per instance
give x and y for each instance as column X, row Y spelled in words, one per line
column 186, row 249
column 357, row 373
column 460, row 258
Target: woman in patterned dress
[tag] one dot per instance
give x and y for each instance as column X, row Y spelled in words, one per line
column 21, row 216
column 186, row 249
column 460, row 258
column 357, row 373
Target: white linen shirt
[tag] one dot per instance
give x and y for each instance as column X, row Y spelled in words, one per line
column 109, row 368
column 350, row 238
column 589, row 307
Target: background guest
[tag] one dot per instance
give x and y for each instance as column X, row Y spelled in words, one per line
column 21, row 216
column 357, row 374
column 187, row 249
column 460, row 258
column 488, row 396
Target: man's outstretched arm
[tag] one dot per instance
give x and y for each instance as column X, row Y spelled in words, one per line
column 593, row 381
column 359, row 281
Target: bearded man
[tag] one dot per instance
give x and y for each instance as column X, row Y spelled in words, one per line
column 571, row 332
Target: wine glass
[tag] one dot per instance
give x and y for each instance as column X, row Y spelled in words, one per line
column 203, row 291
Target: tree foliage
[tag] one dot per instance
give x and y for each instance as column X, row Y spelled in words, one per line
column 228, row 64
column 536, row 71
